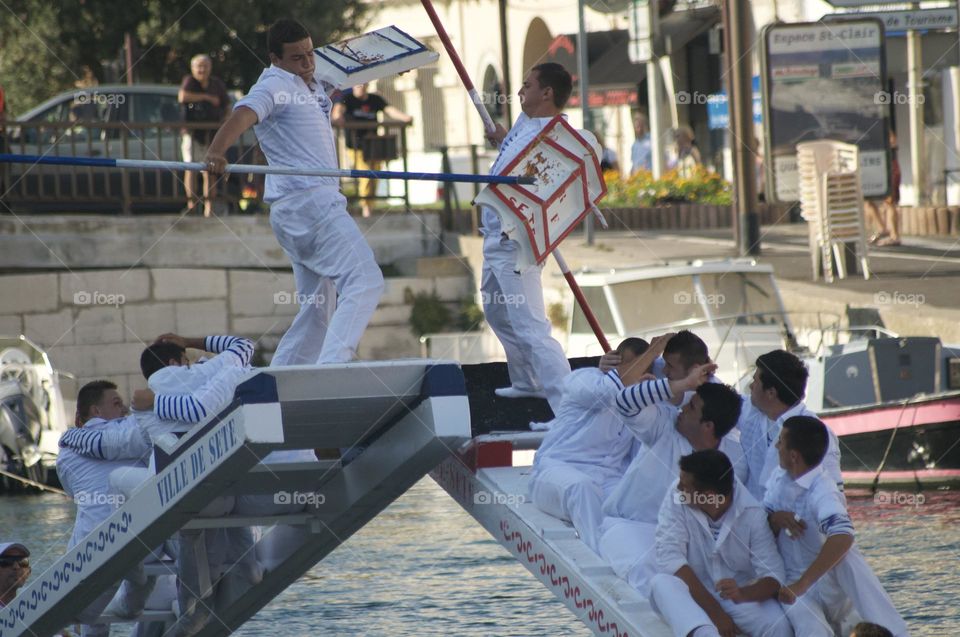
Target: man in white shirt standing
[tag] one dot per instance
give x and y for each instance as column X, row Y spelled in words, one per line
column 513, row 301
column 776, row 393
column 719, row 569
column 332, row 264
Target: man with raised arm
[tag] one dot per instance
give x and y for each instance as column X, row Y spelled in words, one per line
column 513, row 301
column 333, row 266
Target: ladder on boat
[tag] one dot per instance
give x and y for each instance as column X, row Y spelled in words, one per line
column 404, row 417
column 483, row 480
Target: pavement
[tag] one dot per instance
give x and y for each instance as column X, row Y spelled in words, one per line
column 915, row 286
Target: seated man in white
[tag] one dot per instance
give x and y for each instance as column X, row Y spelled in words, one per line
column 825, row 571
column 84, row 471
column 718, row 566
column 776, row 393
column 630, row 513
column 588, row 446
column 180, row 396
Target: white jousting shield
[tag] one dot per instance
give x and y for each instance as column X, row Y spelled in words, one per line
column 569, row 182
column 371, row 56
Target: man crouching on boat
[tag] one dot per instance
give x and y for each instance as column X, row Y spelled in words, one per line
column 180, row 396
column 667, row 433
column 719, row 569
column 105, row 439
column 587, row 448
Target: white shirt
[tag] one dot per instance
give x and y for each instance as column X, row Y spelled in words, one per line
column 744, row 548
column 87, row 479
column 520, row 134
column 758, row 436
column 815, row 498
column 186, row 395
column 647, row 480
column 293, row 128
column 587, row 432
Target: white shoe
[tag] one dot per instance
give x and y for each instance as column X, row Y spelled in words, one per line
column 540, row 426
column 513, row 392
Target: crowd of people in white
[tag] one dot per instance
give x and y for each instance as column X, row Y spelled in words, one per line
column 727, row 511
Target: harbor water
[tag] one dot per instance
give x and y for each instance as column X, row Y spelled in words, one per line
column 425, row 567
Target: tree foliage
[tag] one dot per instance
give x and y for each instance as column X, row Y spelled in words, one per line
column 45, row 45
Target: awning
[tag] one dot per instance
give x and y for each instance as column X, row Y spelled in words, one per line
column 613, row 78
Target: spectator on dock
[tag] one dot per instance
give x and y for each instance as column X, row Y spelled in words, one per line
column 14, row 570
column 203, row 98
column 640, row 153
column 888, row 225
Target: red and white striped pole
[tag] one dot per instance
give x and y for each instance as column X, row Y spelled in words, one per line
column 490, row 127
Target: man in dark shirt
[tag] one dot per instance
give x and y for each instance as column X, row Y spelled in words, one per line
column 203, row 98
column 359, row 106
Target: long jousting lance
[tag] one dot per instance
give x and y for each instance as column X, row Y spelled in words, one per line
column 491, row 127
column 103, row 162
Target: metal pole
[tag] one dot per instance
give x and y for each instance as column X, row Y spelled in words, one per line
column 584, row 63
column 917, row 126
column 740, row 71
column 505, row 62
column 654, row 95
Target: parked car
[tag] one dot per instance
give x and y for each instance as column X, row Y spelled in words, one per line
column 140, row 121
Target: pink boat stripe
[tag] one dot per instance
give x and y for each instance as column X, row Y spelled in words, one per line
column 886, row 418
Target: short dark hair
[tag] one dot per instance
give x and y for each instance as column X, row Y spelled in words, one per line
column 158, row 355
column 692, row 349
column 556, row 77
column 711, row 470
column 284, row 31
column 785, row 373
column 721, row 406
column 89, row 395
column 868, row 629
column 637, row 346
column 807, row 436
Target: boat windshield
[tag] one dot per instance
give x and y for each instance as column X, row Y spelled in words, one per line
column 750, row 297
column 650, row 303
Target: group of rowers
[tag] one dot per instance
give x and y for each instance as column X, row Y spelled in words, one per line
column 110, row 453
column 726, row 511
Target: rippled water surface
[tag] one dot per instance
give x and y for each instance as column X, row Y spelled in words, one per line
column 424, row 567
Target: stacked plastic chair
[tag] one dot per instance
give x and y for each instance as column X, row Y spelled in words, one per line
column 831, row 201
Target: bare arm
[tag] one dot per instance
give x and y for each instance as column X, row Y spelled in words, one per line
column 763, row 589
column 191, row 96
column 395, row 113
column 830, row 554
column 337, row 114
column 707, row 602
column 239, row 121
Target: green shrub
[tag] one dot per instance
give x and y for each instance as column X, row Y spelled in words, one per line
column 428, row 314
column 471, row 316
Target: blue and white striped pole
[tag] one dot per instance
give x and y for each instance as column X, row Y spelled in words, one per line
column 103, row 162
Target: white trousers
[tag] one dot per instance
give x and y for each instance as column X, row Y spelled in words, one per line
column 514, row 309
column 630, row 548
column 670, row 596
column 567, row 493
column 338, row 281
column 850, row 583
